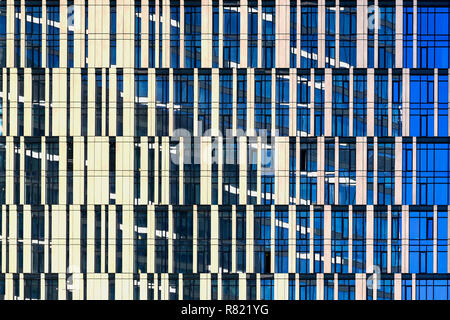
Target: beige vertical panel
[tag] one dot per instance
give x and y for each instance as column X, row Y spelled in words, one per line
column 327, row 239
column 281, row 170
column 9, row 166
column 194, row 241
column 337, row 26
column 10, row 14
column 112, row 102
column 414, row 33
column 124, row 286
column 166, row 33
column 151, row 121
column 74, row 247
column 321, row 34
column 98, row 174
column 79, row 58
column 389, row 102
column 361, row 36
column 63, row 33
column 12, row 239
column 206, row 27
column 375, row 170
column 22, row 170
column 375, row 37
column 214, row 239
column 205, row 170
column 311, row 88
column 234, row 131
column 128, row 102
column 360, row 286
column 243, row 161
column 389, row 239
column 170, row 238
column 171, row 100
column 164, row 187
column 281, row 286
column 273, row 222
column 282, row 25
column 97, row 286
column 397, row 286
column 336, row 170
column 370, row 102
column 196, row 123
column 62, row 174
column 75, row 102
column 78, row 170
column 43, row 168
column 3, row 244
column 127, row 251
column 59, row 110
column 350, row 238
column 215, row 92
column 320, row 170
column 13, row 96
column 405, row 240
column 406, row 100
column 292, row 234
column 44, row 34
column 151, row 239
column 27, row 108
column 22, row 34
column 448, row 242
column 328, row 116
column 369, row 235
column 251, row 102
column 436, row 99
column 299, row 28
column 273, row 95
column 435, row 239
column 205, row 286
column 144, row 171
column 182, row 34
column 90, row 250
column 144, row 33
column 111, row 268
column 47, row 101
column 350, row 103
column 249, row 241
column 398, row 33
column 59, row 231
column 221, row 19
column 62, row 292
column 260, row 29
column 124, row 170
column 244, row 34
column 258, row 170
column 128, row 42
column 181, row 148
column 292, row 102
column 26, row 256
column 4, row 92
column 398, row 170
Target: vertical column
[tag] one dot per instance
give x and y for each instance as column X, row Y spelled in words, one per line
column 207, row 12
column 282, row 23
column 321, row 35
column 398, row 33
column 361, row 36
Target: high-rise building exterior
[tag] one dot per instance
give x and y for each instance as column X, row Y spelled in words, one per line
column 220, row 149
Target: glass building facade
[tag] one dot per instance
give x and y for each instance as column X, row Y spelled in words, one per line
column 220, row 149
